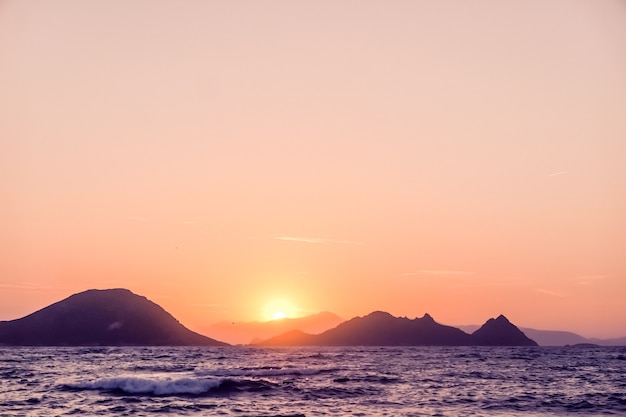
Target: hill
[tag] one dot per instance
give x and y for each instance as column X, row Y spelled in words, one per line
column 382, row 329
column 501, row 332
column 617, row 341
column 558, row 337
column 114, row 317
column 554, row 337
column 249, row 332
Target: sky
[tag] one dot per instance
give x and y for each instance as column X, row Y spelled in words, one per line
column 233, row 159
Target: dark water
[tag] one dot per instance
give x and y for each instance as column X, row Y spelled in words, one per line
column 410, row 381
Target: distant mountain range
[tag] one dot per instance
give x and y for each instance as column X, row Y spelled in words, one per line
column 383, row 329
column 559, row 337
column 256, row 331
column 117, row 317
column 114, row 317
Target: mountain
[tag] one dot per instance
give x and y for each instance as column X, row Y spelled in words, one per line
column 558, row 337
column 561, row 338
column 250, row 332
column 291, row 338
column 114, row 317
column 383, row 329
column 618, row 341
column 554, row 337
column 501, row 332
column 542, row 337
column 380, row 328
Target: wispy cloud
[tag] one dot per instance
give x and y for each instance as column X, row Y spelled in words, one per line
column 316, row 240
column 437, row 272
column 590, row 279
column 205, row 305
column 551, row 293
column 162, row 296
column 554, row 174
column 140, row 219
column 25, row 286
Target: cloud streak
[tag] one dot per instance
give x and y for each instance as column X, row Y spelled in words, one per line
column 206, row 304
column 26, row 286
column 139, row 219
column 315, row 240
column 590, row 279
column 422, row 272
column 551, row 293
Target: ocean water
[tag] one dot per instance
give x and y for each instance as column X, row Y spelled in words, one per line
column 355, row 381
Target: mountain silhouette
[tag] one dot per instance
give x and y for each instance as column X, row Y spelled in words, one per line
column 292, row 338
column 382, row 329
column 557, row 337
column 114, row 317
column 501, row 332
column 562, row 338
column 554, row 337
column 616, row 341
column 251, row 332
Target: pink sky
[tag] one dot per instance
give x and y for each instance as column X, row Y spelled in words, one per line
column 464, row 159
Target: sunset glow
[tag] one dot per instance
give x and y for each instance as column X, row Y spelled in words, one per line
column 279, row 308
column 253, row 161
column 278, row 315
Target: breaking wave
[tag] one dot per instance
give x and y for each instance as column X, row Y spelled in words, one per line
column 265, row 371
column 169, row 386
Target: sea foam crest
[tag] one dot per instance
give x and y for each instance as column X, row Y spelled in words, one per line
column 263, row 372
column 158, row 386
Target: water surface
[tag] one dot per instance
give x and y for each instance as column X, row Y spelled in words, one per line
column 386, row 381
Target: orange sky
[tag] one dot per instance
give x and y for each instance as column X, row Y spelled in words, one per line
column 464, row 159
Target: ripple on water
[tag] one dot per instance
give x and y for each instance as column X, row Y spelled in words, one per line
column 312, row 381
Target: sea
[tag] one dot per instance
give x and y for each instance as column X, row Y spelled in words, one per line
column 329, row 381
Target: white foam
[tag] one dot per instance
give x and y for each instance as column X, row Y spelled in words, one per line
column 156, row 386
column 260, row 372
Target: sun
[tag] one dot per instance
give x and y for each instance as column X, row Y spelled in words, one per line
column 279, row 308
column 279, row 315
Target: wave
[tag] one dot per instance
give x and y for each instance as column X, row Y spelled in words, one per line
column 169, row 386
column 264, row 371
